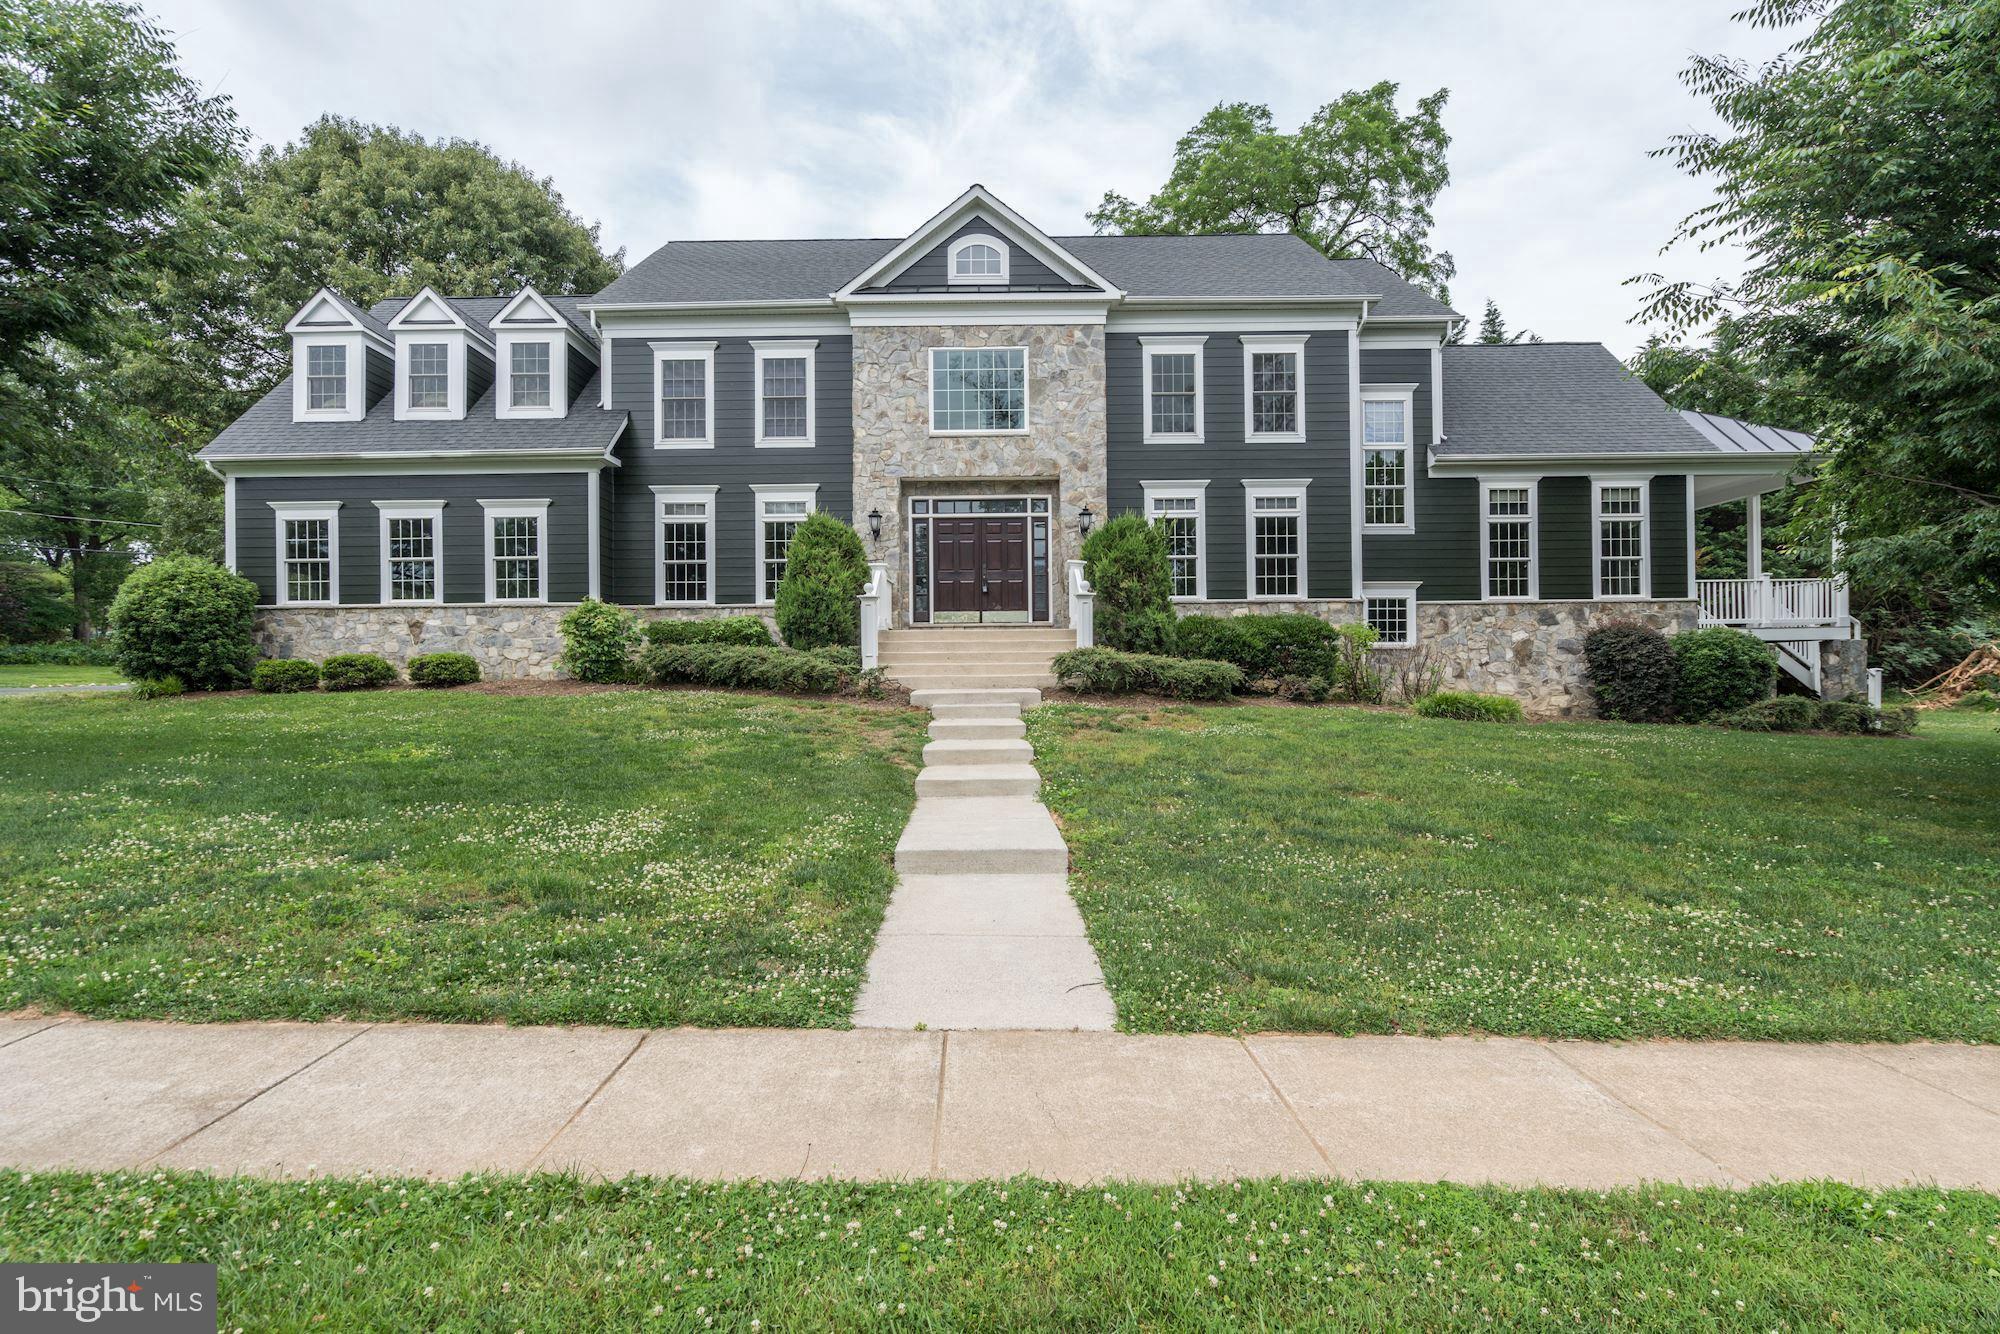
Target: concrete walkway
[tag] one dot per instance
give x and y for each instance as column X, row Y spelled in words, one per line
column 981, row 931
column 437, row 1100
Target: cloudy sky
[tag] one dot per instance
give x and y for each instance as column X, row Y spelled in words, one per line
column 737, row 118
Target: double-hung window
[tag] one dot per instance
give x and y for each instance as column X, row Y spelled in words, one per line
column 1385, row 460
column 1623, row 565
column 785, row 393
column 1508, row 540
column 1172, row 369
column 1177, row 509
column 1275, row 516
column 308, row 553
column 1274, row 395
column 780, row 511
column 684, row 395
column 528, row 375
column 326, row 377
column 517, row 550
column 684, row 530
column 412, row 542
column 430, row 375
column 979, row 390
column 1391, row 612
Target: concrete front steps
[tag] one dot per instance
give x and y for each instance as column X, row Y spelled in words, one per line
column 973, row 656
column 981, row 931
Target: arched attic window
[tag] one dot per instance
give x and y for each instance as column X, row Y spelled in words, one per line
column 980, row 260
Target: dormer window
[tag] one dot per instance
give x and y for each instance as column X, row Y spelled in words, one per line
column 333, row 377
column 543, row 358
column 326, row 377
column 979, row 261
column 528, row 375
column 442, row 363
column 430, row 375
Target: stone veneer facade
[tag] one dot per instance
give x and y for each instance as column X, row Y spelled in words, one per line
column 1531, row 651
column 1062, row 453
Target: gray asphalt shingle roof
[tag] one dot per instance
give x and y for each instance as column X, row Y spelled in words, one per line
column 1555, row 398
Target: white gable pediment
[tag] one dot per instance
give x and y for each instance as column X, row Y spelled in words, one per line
column 996, row 218
column 427, row 310
column 529, row 308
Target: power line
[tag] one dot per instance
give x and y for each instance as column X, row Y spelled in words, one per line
column 78, row 518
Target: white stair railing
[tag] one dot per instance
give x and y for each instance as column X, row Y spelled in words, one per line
column 1082, row 606
column 874, row 614
column 1767, row 602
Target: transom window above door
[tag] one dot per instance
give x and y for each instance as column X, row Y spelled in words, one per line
column 979, row 390
column 979, row 261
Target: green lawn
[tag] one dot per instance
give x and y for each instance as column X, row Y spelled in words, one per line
column 552, row 1253
column 1259, row 868
column 57, row 676
column 627, row 857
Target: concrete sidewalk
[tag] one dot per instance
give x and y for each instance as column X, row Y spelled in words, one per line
column 439, row 1099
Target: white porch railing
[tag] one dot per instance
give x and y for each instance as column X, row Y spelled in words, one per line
column 1770, row 603
column 874, row 614
column 1082, row 606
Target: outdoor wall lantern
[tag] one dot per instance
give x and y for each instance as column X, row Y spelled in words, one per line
column 1085, row 519
column 875, row 524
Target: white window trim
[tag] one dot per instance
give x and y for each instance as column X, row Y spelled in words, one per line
column 518, row 509
column 1645, row 518
column 355, row 405
column 455, row 355
column 1294, row 487
column 1153, row 347
column 1027, row 390
column 808, row 493
column 1408, row 593
column 662, row 497
column 1253, row 344
column 412, row 509
column 1197, row 492
column 782, row 350
column 504, row 343
column 1534, row 488
column 704, row 353
column 1001, row 279
column 1406, row 395
column 308, row 509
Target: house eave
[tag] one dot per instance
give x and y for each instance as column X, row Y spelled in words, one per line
column 1688, row 461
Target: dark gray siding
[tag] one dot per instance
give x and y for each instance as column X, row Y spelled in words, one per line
column 381, row 375
column 1443, row 554
column 1670, row 537
column 478, row 375
column 1567, row 532
column 464, row 529
column 733, row 466
column 1225, row 460
column 580, row 370
column 607, row 517
column 1024, row 271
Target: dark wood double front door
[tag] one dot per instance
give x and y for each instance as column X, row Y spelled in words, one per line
column 981, row 567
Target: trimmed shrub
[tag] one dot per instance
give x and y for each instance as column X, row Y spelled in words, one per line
column 818, row 601
column 1125, row 560
column 1466, row 706
column 158, row 687
column 1863, row 719
column 1798, row 713
column 438, row 670
column 840, row 655
column 34, row 603
column 284, row 676
column 1721, row 670
column 60, row 653
column 598, row 641
column 1107, row 671
column 1306, row 689
column 1786, row 713
column 188, row 618
column 1278, row 645
column 749, row 630
column 744, row 666
column 1632, row 673
column 356, row 671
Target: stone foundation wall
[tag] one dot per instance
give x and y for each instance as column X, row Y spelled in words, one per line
column 508, row 643
column 1843, row 669
column 1530, row 651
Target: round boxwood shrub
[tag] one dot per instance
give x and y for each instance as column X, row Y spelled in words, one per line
column 818, row 602
column 284, row 676
column 443, row 669
column 598, row 641
column 1632, row 672
column 748, row 630
column 1466, row 706
column 1721, row 670
column 187, row 618
column 356, row 671
column 1126, row 563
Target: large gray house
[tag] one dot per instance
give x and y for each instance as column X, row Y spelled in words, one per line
column 452, row 472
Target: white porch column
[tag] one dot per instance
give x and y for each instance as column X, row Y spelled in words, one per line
column 1754, row 535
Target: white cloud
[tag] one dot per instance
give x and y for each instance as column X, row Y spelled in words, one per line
column 863, row 118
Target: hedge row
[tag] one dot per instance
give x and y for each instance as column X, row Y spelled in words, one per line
column 1107, row 671
column 360, row 671
column 1797, row 713
column 1641, row 676
column 60, row 653
column 747, row 666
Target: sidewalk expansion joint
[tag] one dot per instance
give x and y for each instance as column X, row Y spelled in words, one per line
column 1644, row 1115
column 1290, row 1110
column 224, row 1116
column 535, row 1158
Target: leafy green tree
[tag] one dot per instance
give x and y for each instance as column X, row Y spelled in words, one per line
column 34, row 604
column 1358, row 179
column 100, row 136
column 1861, row 173
column 1492, row 328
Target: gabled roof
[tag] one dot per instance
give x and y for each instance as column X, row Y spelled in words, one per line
column 977, row 201
column 428, row 310
column 329, row 310
column 1541, row 400
column 1733, row 435
column 480, row 311
column 529, row 309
